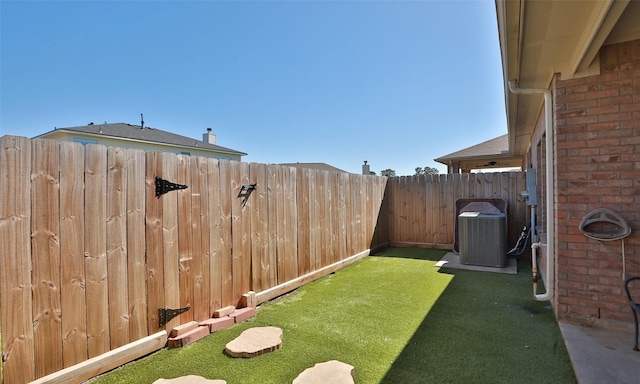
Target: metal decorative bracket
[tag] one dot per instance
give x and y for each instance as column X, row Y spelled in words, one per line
column 245, row 192
column 163, row 186
column 166, row 314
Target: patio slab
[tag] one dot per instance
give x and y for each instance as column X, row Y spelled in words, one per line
column 452, row 260
column 600, row 355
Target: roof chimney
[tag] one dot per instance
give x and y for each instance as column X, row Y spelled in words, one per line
column 209, row 137
column 365, row 168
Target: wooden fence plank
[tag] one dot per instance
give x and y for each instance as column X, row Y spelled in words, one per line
column 363, row 213
column 420, row 208
column 15, row 262
column 315, row 244
column 302, row 202
column 413, row 205
column 272, row 207
column 332, row 187
column 327, row 227
column 72, row 288
column 237, row 238
column 170, row 238
column 292, row 227
column 45, row 254
column 200, row 235
column 341, row 225
column 258, row 240
column 287, row 205
column 185, row 238
column 245, row 225
column 321, row 198
column 153, row 239
column 368, row 215
column 96, row 249
column 447, row 212
column 226, row 257
column 278, row 200
column 214, row 188
column 358, row 208
column 349, row 215
column 403, row 205
column 136, row 244
column 390, row 192
column 116, row 231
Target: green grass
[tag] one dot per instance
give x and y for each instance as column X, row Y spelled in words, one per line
column 397, row 319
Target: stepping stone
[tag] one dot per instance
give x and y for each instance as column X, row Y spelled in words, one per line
column 334, row 372
column 190, row 379
column 255, row 341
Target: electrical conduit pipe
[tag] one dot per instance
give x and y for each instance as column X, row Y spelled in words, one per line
column 548, row 121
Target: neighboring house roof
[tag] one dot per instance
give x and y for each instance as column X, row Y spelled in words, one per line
column 319, row 166
column 541, row 38
column 146, row 134
column 492, row 153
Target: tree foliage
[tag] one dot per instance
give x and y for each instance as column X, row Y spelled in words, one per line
column 426, row 171
column 388, row 172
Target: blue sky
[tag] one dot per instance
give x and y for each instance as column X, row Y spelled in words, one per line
column 396, row 83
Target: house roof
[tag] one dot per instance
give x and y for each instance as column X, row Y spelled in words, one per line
column 148, row 134
column 541, row 38
column 492, row 153
column 318, row 166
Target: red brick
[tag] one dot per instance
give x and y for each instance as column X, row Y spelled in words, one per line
column 605, row 94
column 569, row 98
column 572, row 301
column 608, row 109
column 581, row 104
column 584, row 278
column 188, row 338
column 243, row 314
column 629, row 107
column 572, row 113
column 572, row 285
column 582, row 120
column 216, row 324
column 616, row 100
column 591, row 296
column 620, row 116
column 614, row 299
column 590, row 311
column 605, row 289
column 616, row 315
column 616, row 166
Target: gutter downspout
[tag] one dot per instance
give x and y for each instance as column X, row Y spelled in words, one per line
column 548, row 121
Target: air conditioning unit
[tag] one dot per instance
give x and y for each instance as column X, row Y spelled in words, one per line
column 483, row 239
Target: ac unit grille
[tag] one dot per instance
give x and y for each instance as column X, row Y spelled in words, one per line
column 482, row 239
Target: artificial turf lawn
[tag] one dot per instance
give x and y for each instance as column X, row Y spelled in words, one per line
column 396, row 318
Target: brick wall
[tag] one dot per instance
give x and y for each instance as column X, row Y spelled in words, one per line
column 598, row 165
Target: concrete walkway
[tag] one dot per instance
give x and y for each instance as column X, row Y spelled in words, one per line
column 601, row 355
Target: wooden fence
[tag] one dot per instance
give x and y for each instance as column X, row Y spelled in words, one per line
column 422, row 209
column 89, row 253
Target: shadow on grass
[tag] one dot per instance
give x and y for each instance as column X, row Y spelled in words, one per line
column 484, row 328
column 412, row 253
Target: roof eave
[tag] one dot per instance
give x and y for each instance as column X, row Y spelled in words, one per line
column 103, row 135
